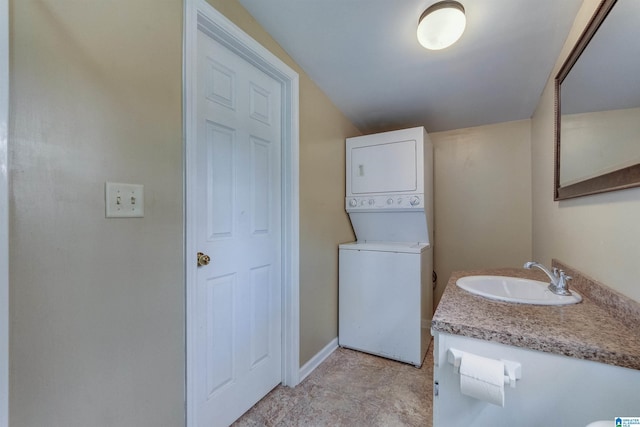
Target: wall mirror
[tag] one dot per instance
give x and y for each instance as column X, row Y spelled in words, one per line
column 597, row 123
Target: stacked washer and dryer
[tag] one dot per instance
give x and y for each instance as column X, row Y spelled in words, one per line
column 385, row 277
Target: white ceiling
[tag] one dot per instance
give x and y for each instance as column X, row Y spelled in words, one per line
column 365, row 56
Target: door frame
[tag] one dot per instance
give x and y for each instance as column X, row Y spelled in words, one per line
column 4, row 213
column 199, row 15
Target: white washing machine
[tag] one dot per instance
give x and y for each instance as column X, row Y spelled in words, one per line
column 385, row 292
column 385, row 286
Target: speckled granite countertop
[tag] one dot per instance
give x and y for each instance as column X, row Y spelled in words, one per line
column 604, row 327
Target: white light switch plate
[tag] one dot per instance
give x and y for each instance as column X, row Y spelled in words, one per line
column 123, row 200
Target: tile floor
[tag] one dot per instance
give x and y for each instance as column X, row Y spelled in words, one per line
column 351, row 389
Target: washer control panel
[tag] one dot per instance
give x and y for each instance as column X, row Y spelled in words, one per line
column 385, row 202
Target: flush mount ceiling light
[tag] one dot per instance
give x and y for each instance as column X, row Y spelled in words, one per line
column 441, row 25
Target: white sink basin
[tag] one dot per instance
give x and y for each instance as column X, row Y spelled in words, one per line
column 514, row 289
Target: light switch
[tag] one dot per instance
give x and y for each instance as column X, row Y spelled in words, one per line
column 123, row 200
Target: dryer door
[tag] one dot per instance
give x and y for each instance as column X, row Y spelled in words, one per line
column 384, row 168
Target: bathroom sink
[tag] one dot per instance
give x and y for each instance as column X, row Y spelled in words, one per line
column 514, row 289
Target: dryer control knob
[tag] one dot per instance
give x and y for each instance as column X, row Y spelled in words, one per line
column 414, row 201
column 353, row 203
column 371, row 202
column 389, row 201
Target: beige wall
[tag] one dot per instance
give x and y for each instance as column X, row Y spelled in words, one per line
column 599, row 235
column 482, row 198
column 96, row 305
column 323, row 220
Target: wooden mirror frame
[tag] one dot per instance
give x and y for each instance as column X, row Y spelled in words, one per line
column 617, row 180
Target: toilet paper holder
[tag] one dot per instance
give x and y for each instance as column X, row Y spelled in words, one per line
column 512, row 370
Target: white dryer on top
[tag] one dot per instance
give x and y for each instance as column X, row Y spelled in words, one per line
column 390, row 175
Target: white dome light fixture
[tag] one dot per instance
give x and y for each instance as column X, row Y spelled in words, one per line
column 441, row 25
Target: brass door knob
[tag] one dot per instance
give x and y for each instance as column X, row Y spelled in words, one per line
column 203, row 259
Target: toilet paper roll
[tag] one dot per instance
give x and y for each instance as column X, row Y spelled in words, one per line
column 482, row 378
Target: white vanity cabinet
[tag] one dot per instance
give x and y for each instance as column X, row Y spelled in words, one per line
column 553, row 391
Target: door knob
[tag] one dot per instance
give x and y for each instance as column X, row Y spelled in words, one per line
column 203, row 259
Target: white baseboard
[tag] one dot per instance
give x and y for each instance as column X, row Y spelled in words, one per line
column 316, row 360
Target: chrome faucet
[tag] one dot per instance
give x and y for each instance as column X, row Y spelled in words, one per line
column 559, row 284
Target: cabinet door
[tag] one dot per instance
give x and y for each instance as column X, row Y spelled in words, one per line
column 553, row 391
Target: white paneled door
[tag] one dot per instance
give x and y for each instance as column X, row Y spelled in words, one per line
column 238, row 226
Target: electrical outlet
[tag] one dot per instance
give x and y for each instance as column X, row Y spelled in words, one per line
column 124, row 200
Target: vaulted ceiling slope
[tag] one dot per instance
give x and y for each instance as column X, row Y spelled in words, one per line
column 365, row 56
